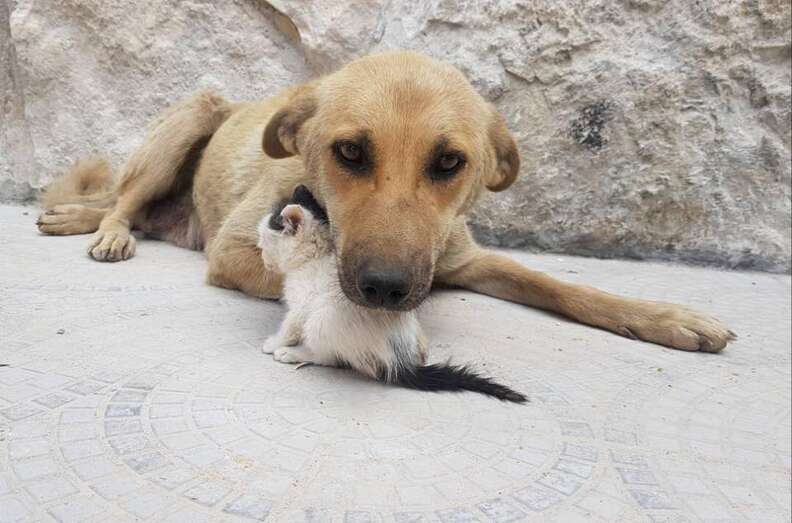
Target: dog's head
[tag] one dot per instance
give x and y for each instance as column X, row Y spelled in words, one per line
column 401, row 145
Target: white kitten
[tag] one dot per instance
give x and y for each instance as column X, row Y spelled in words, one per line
column 323, row 327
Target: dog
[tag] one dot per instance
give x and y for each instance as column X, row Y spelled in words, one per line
column 396, row 146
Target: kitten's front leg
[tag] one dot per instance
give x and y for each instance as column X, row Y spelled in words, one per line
column 294, row 354
column 289, row 334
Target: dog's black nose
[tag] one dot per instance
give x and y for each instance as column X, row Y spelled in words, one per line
column 383, row 288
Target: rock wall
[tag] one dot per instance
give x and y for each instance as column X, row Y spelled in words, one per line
column 648, row 128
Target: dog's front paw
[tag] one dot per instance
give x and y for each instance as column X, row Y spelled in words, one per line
column 678, row 327
column 112, row 244
column 298, row 354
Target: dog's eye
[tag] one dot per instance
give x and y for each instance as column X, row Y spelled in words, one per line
column 350, row 152
column 446, row 166
column 448, row 162
column 351, row 155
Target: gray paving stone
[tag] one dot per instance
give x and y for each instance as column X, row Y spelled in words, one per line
column 200, row 404
column 166, row 426
column 168, row 398
column 225, row 434
column 22, row 411
column 536, row 499
column 120, row 410
column 561, row 482
column 192, row 514
column 576, row 429
column 652, row 499
column 85, row 387
column 582, row 470
column 118, row 427
column 145, row 504
column 108, row 376
column 26, row 448
column 501, row 510
column 629, row 458
column 29, row 429
column 409, row 517
column 50, row 489
column 54, row 400
column 92, row 468
column 128, row 396
column 147, row 462
column 637, row 476
column 314, row 515
column 82, row 449
column 144, row 382
column 131, row 443
column 209, row 419
column 48, row 380
column 76, row 432
column 207, row 493
column 166, row 411
column 77, row 510
column 81, row 415
column 172, row 477
column 457, row 515
column 35, row 468
column 13, row 510
column 185, row 440
column 112, row 487
column 202, row 456
column 361, row 516
column 18, row 392
column 5, row 486
column 621, row 436
column 14, row 375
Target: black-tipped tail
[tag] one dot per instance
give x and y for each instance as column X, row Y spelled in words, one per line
column 445, row 377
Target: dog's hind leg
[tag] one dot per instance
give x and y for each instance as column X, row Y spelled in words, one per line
column 153, row 170
column 77, row 202
column 70, row 218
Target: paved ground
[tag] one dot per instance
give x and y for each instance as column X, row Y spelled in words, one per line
column 136, row 392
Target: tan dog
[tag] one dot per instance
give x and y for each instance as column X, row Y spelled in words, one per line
column 397, row 146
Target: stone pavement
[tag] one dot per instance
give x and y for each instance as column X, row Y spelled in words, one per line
column 136, row 392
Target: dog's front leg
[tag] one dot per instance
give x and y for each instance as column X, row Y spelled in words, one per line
column 467, row 265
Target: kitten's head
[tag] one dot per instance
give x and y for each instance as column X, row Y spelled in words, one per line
column 296, row 230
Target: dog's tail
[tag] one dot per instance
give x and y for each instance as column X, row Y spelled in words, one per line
column 89, row 182
column 446, row 377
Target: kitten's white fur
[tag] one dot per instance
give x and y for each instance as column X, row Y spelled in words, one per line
column 322, row 326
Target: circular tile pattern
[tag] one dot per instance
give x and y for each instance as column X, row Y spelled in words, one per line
column 137, row 393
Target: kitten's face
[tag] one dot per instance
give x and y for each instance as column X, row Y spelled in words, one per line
column 293, row 230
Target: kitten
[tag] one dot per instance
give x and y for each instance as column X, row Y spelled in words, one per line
column 323, row 327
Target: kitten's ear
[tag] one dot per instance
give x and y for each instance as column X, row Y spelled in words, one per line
column 293, row 218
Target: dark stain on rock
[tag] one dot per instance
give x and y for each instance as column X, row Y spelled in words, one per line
column 587, row 129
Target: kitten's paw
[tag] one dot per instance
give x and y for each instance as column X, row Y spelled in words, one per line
column 296, row 354
column 271, row 344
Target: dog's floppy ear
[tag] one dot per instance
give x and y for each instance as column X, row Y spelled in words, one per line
column 280, row 135
column 506, row 155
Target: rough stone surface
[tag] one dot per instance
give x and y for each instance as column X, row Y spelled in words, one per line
column 648, row 128
column 134, row 391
